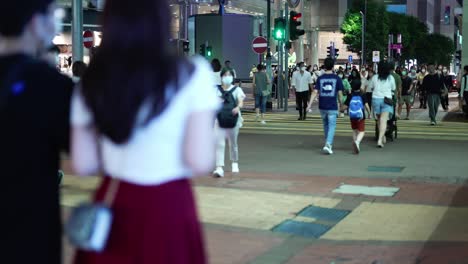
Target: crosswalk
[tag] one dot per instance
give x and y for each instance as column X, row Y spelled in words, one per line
column 287, row 124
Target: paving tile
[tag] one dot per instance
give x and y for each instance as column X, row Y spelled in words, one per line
column 402, row 222
column 303, row 229
column 324, row 214
column 383, row 254
column 252, row 209
column 228, row 247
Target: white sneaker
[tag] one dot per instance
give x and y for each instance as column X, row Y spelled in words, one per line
column 341, row 114
column 263, row 122
column 257, row 118
column 235, row 167
column 327, row 149
column 219, row 172
column 356, row 147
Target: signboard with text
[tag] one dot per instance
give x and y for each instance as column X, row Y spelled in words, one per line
column 376, row 56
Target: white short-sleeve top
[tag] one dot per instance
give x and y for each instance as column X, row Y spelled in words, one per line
column 154, row 153
column 383, row 88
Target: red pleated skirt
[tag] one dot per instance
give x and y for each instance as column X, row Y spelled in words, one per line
column 152, row 225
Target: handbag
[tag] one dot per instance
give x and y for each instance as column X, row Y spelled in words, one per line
column 388, row 101
column 265, row 93
column 89, row 225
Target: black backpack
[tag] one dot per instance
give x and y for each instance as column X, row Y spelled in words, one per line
column 225, row 117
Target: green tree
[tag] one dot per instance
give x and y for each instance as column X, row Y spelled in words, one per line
column 377, row 27
column 435, row 48
column 411, row 30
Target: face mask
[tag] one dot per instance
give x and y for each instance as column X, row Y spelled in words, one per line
column 423, row 70
column 404, row 73
column 227, row 80
column 413, row 71
column 445, row 71
column 303, row 68
column 315, row 68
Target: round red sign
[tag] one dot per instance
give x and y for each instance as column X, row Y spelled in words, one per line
column 88, row 39
column 260, row 45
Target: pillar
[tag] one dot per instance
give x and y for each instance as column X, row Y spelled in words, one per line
column 77, row 30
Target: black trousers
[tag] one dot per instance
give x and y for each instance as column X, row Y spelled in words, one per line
column 369, row 99
column 444, row 101
column 422, row 98
column 301, row 102
column 465, row 96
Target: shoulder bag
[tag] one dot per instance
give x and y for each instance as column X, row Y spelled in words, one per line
column 89, row 225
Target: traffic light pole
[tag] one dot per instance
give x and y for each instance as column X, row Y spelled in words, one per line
column 268, row 56
column 77, row 30
column 280, row 83
column 286, row 61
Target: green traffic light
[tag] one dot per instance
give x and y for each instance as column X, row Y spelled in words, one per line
column 279, row 34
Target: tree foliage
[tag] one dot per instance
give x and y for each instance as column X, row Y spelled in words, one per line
column 380, row 23
column 435, row 48
column 376, row 22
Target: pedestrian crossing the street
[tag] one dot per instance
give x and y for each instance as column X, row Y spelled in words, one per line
column 287, row 124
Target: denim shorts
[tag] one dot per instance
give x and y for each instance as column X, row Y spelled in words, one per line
column 260, row 102
column 380, row 106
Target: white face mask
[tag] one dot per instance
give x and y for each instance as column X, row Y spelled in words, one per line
column 423, row 70
column 303, row 68
column 227, row 80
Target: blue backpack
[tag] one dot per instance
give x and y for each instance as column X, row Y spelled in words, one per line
column 356, row 107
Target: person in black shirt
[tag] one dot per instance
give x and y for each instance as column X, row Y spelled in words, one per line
column 406, row 93
column 448, row 84
column 34, row 113
column 433, row 85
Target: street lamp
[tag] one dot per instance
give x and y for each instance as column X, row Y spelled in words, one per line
column 363, row 52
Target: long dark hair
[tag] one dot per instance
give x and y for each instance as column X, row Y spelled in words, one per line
column 216, row 65
column 134, row 65
column 384, row 70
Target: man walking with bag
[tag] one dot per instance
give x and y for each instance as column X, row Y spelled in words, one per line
column 433, row 84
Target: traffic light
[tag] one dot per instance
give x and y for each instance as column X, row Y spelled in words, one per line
column 279, row 33
column 331, row 52
column 336, row 53
column 209, row 51
column 203, row 50
column 294, row 32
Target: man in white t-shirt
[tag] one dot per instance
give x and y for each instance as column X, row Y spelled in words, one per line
column 302, row 83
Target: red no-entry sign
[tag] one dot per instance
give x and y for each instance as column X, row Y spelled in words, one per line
column 259, row 45
column 88, row 39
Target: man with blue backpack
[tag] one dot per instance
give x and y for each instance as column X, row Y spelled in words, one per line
column 357, row 105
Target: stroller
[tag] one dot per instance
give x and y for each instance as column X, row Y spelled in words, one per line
column 392, row 128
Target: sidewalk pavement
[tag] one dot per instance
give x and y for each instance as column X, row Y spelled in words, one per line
column 422, row 223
